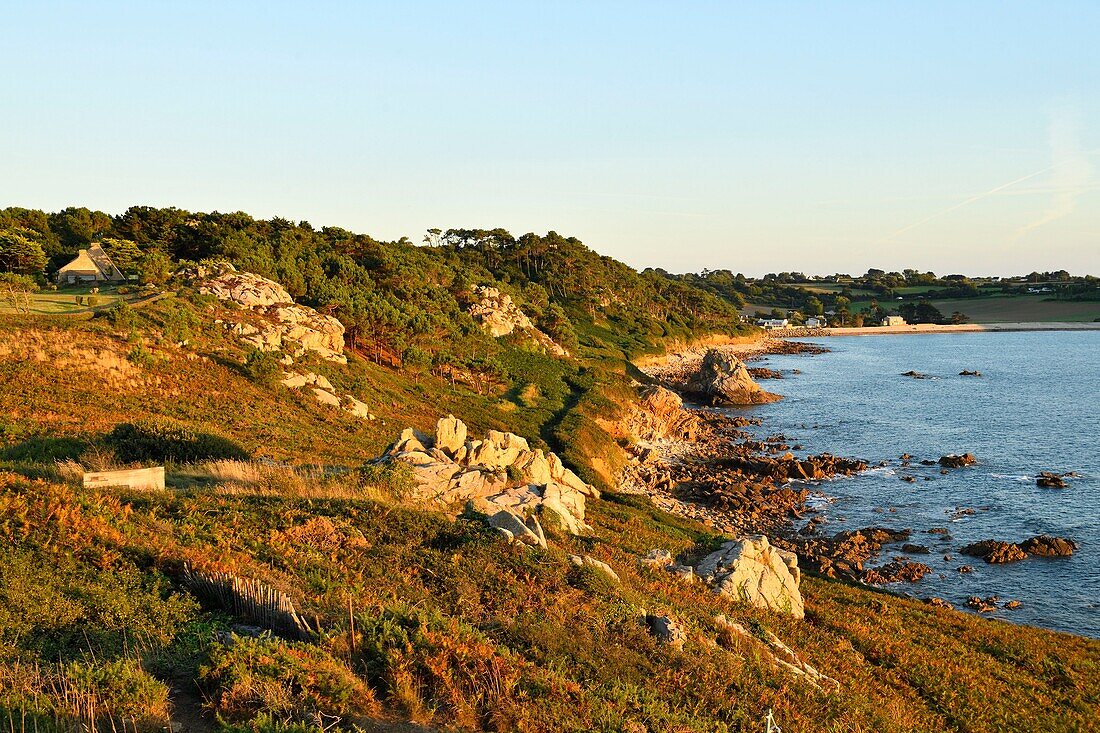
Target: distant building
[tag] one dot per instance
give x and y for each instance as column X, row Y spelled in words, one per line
column 774, row 323
column 90, row 265
column 893, row 321
column 815, row 322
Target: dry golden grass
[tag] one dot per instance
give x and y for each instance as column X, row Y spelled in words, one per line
column 267, row 479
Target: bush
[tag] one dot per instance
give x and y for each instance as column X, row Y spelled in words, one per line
column 289, row 681
column 394, row 478
column 140, row 356
column 160, row 439
column 120, row 315
column 261, row 367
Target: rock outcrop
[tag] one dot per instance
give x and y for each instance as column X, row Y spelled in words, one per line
column 276, row 322
column 754, row 571
column 957, row 461
column 498, row 314
column 498, row 473
column 1047, row 546
column 666, row 630
column 770, row 647
column 325, row 393
column 723, row 379
column 660, row 415
column 1050, row 480
column 995, row 551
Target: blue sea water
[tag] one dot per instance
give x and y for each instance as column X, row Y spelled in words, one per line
column 1035, row 408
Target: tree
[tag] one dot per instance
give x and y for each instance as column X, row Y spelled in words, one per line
column 16, row 290
column 155, row 268
column 20, row 254
column 124, row 253
column 813, row 306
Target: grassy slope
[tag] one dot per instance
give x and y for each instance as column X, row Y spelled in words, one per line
column 453, row 625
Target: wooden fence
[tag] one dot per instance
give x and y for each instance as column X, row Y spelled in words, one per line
column 251, row 600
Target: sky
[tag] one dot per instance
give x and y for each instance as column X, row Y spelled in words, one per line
column 758, row 137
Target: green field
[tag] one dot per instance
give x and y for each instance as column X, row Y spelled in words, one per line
column 1020, row 309
column 833, row 288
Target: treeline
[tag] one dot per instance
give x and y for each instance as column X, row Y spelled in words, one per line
column 394, row 297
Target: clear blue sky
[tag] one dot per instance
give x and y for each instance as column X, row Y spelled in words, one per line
column 823, row 137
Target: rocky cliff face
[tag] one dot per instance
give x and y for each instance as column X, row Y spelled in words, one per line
column 498, row 314
column 275, row 322
column 723, row 379
column 500, row 472
column 660, row 415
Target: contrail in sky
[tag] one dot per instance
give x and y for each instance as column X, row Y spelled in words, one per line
column 967, row 202
column 1072, row 174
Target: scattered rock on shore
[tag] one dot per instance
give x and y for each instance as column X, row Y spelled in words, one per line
column 958, row 461
column 1049, row 480
column 896, row 571
column 723, row 379
column 969, row 373
column 1047, row 546
column 995, row 551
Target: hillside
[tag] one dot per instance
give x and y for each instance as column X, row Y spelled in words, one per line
column 413, row 615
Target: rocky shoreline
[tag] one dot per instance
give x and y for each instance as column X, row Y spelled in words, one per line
column 702, row 463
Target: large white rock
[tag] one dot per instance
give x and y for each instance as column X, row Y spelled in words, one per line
column 452, row 468
column 534, row 467
column 285, row 325
column 325, row 397
column 753, row 571
column 450, row 434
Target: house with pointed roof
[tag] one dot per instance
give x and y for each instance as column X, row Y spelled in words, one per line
column 90, row 265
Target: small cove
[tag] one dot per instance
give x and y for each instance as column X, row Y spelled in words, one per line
column 1035, row 408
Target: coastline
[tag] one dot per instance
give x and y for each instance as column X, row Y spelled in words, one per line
column 729, row 477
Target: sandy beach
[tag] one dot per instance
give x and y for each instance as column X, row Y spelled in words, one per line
column 960, row 328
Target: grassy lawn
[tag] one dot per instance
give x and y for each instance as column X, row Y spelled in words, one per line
column 71, row 300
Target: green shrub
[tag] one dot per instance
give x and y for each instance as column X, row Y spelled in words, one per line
column 161, row 439
column 395, row 478
column 122, row 687
column 289, row 681
column 261, row 367
column 141, row 356
column 120, row 315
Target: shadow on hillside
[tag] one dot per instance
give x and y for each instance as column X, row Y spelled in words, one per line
column 44, row 450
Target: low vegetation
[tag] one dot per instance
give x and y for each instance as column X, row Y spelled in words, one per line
column 416, row 615
column 436, row 620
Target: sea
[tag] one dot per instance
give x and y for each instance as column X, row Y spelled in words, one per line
column 1035, row 407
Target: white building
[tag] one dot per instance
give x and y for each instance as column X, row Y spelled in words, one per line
column 90, row 265
column 775, row 323
column 815, row 322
